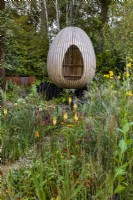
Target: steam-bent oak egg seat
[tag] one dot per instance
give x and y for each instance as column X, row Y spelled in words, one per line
column 71, row 59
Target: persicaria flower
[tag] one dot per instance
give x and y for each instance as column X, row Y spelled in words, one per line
column 88, row 183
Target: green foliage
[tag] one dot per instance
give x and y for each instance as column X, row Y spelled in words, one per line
column 56, row 152
column 26, row 50
column 106, row 61
column 12, row 91
column 20, row 132
column 86, row 153
column 108, row 24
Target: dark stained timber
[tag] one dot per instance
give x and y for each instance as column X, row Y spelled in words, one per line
column 73, row 64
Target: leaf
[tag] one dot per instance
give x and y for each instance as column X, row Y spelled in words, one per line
column 117, row 160
column 126, row 127
column 122, row 145
column 119, row 189
column 120, row 130
column 121, row 179
column 120, row 171
column 126, row 184
column 115, row 153
column 129, row 142
column 76, row 190
column 126, row 164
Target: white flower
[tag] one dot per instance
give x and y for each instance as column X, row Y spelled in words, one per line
column 40, row 108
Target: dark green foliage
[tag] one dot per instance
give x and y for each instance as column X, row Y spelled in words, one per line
column 26, row 49
column 27, row 36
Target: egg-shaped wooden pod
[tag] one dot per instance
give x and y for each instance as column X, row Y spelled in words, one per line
column 71, row 59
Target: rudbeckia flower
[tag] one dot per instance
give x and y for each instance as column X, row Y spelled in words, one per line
column 106, row 75
column 129, row 93
column 128, row 64
column 127, row 74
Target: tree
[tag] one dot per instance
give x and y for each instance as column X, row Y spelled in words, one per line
column 2, row 69
column 26, row 42
column 122, row 27
column 31, row 26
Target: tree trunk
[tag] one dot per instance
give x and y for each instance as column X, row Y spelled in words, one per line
column 57, row 14
column 71, row 13
column 67, row 11
column 2, row 69
column 104, row 10
column 44, row 20
column 104, row 6
column 46, row 14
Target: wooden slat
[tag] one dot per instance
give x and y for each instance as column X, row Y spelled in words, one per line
column 72, row 65
column 72, row 76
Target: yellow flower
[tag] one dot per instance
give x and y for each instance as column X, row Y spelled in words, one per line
column 76, row 116
column 36, row 134
column 127, row 74
column 111, row 86
column 106, row 75
column 70, row 100
column 111, row 73
column 129, row 94
column 65, row 116
column 118, row 77
column 54, row 121
column 75, row 106
column 5, row 112
column 128, row 64
column 58, row 197
column 69, row 125
column 62, row 156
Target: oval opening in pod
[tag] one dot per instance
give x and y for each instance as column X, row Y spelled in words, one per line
column 73, row 65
